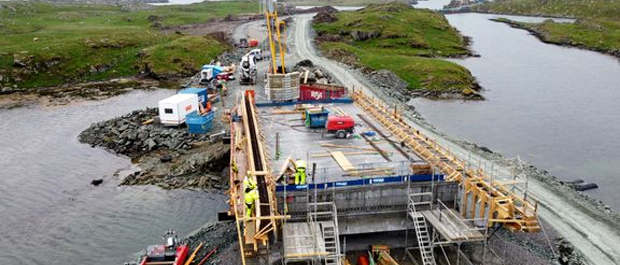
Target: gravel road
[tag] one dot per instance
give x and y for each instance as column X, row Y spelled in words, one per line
column 590, row 230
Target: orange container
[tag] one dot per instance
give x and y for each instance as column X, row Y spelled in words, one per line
column 253, row 43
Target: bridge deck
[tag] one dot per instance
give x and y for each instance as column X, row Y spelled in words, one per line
column 336, row 159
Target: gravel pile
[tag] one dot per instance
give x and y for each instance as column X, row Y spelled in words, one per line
column 315, row 73
column 128, row 136
column 220, row 235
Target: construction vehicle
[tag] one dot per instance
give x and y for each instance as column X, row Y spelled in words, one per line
column 340, row 125
column 257, row 53
column 243, row 43
column 171, row 252
column 247, row 70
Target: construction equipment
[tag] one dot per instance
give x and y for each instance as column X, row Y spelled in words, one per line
column 171, row 252
column 280, row 84
column 340, row 125
column 247, row 70
column 243, row 43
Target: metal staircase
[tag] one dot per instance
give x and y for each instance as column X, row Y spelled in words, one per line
column 422, row 232
column 332, row 244
column 326, row 215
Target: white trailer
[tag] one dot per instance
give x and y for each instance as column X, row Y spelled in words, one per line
column 172, row 110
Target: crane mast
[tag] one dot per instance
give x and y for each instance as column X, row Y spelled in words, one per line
column 274, row 24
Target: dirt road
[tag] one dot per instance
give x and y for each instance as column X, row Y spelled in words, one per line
column 595, row 235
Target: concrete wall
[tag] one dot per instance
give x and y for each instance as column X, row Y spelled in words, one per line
column 365, row 209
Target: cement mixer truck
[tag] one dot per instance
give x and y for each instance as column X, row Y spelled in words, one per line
column 247, row 70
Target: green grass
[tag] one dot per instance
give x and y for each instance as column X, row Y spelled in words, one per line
column 597, row 26
column 74, row 38
column 407, row 42
column 338, row 2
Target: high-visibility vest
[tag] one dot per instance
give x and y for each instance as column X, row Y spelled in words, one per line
column 248, row 183
column 250, row 197
column 299, row 164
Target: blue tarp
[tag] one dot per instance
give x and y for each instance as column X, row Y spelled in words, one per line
column 361, row 182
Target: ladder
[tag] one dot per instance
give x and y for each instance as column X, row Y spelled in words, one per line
column 332, row 244
column 326, row 215
column 421, row 230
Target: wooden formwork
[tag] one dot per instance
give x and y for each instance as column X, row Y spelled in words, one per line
column 493, row 200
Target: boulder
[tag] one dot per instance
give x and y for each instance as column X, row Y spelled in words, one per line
column 96, row 182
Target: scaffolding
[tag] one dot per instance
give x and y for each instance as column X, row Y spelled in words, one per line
column 483, row 196
column 437, row 226
column 315, row 241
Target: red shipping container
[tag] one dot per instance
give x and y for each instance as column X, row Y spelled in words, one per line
column 321, row 92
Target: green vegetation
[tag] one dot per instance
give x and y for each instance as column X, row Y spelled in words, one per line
column 340, row 2
column 597, row 26
column 401, row 39
column 49, row 44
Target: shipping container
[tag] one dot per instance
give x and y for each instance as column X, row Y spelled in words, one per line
column 174, row 109
column 199, row 123
column 321, row 92
column 201, row 92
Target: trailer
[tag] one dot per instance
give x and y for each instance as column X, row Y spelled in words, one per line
column 174, row 109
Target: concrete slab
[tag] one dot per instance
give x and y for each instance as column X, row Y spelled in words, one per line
column 309, row 144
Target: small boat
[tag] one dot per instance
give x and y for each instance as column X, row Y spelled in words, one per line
column 172, row 252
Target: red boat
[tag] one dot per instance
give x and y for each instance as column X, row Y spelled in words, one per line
column 171, row 253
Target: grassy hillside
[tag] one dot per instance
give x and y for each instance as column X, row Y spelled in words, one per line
column 401, row 39
column 597, row 26
column 43, row 44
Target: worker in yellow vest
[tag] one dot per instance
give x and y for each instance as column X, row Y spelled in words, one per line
column 300, row 174
column 248, row 182
column 251, row 195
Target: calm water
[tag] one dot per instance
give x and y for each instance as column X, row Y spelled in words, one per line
column 556, row 107
column 49, row 212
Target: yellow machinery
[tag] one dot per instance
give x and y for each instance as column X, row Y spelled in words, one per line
column 273, row 23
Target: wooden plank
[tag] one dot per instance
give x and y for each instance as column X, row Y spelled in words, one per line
column 348, row 146
column 342, row 161
column 349, row 154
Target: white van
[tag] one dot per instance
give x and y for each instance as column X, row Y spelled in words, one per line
column 172, row 110
column 257, row 53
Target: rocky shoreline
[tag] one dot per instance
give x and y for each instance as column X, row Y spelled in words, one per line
column 168, row 157
column 383, row 78
column 68, row 93
column 545, row 39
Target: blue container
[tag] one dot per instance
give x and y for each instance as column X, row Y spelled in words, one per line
column 316, row 119
column 199, row 124
column 201, row 92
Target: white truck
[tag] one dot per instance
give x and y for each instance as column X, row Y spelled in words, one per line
column 247, row 70
column 172, row 110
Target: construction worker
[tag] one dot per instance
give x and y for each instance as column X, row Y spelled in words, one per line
column 248, row 183
column 300, row 174
column 251, row 195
